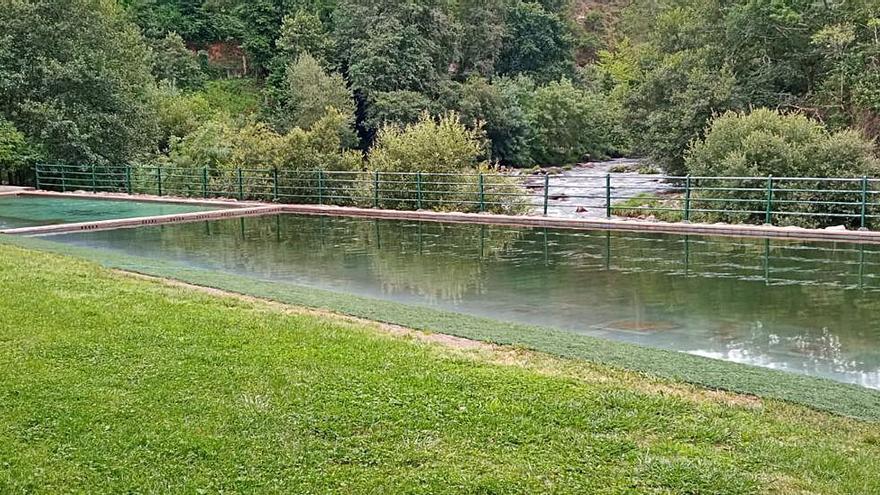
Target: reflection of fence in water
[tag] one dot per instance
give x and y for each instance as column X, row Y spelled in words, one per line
column 772, row 262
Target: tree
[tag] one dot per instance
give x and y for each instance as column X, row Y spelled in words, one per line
column 304, row 33
column 396, row 108
column 16, row 154
column 175, row 63
column 74, row 77
column 567, row 125
column 390, row 45
column 311, row 92
column 536, row 43
column 481, row 36
column 497, row 109
column 671, row 104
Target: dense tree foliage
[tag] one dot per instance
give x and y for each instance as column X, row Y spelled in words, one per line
column 681, row 61
column 542, row 82
column 75, row 79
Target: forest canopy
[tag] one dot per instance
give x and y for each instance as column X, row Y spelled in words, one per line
column 547, row 82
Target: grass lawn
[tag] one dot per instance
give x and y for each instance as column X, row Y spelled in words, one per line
column 110, row 384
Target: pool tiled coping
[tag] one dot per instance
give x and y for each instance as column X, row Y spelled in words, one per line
column 235, row 209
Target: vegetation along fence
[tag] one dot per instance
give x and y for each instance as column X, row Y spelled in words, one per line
column 801, row 201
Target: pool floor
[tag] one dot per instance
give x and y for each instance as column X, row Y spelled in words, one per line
column 32, row 211
column 804, row 307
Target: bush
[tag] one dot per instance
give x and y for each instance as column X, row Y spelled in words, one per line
column 767, row 142
column 256, row 147
column 449, row 156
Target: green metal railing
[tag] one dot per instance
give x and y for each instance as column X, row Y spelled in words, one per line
column 806, row 201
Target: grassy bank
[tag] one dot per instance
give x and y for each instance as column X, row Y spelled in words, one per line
column 110, row 384
column 827, row 395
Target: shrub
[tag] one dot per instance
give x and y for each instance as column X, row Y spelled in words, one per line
column 297, row 156
column 767, row 142
column 449, row 157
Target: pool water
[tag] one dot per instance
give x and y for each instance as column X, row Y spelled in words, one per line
column 804, row 307
column 32, row 211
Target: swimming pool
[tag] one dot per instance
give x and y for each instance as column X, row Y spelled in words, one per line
column 31, row 211
column 797, row 306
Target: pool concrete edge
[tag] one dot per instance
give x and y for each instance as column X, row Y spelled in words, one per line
column 144, row 221
column 145, row 198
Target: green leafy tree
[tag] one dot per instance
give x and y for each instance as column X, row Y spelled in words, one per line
column 481, row 36
column 496, row 107
column 391, row 45
column 395, row 108
column 567, row 125
column 536, row 43
column 74, row 77
column 311, row 92
column 670, row 106
column 16, row 154
column 175, row 63
column 303, row 33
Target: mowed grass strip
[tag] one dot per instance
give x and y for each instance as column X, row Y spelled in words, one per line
column 110, row 384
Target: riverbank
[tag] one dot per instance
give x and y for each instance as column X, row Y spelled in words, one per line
column 112, row 384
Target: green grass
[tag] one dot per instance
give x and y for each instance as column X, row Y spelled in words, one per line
column 110, row 384
column 822, row 394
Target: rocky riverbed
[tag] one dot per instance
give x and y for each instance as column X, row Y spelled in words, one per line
column 580, row 191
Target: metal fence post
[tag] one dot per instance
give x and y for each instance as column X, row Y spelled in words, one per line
column 608, row 195
column 205, row 181
column 687, row 198
column 418, row 190
column 240, row 186
column 63, row 180
column 320, row 187
column 376, row 189
column 94, row 180
column 36, row 176
column 546, row 192
column 864, row 215
column 768, row 217
column 482, row 195
column 128, row 179
column 159, row 179
column 275, row 183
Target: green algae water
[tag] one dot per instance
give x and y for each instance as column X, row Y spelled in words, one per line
column 32, row 211
column 803, row 307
